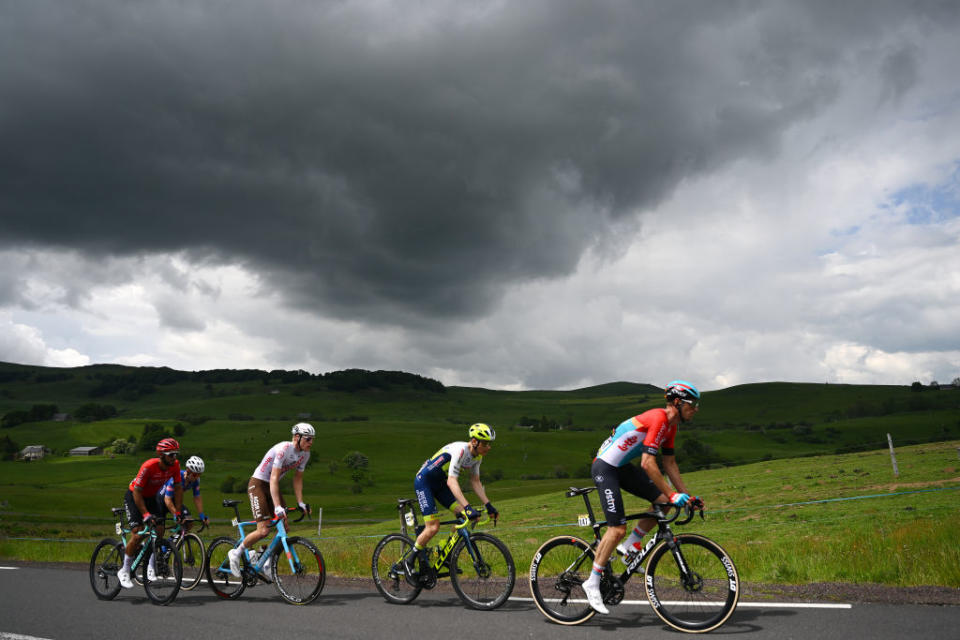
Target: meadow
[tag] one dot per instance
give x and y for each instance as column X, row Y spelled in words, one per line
column 797, row 478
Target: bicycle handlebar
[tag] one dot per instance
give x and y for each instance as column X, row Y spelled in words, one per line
column 657, row 511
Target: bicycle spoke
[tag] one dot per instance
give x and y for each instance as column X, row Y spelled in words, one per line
column 299, row 576
column 482, row 571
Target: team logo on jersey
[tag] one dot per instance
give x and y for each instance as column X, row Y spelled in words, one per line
column 629, row 442
column 599, row 478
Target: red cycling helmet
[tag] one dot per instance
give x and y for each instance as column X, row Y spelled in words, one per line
column 168, row 445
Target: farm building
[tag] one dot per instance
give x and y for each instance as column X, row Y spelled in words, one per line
column 86, row 451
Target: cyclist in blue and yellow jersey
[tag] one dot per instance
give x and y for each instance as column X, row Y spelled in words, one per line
column 190, row 478
column 640, row 436
column 438, row 481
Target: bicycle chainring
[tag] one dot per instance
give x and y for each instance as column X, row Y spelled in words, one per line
column 611, row 589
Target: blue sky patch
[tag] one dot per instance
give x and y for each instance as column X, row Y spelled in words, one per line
column 926, row 204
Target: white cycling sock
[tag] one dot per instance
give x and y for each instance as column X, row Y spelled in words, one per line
column 632, row 543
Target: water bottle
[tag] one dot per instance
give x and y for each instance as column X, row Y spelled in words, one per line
column 254, row 554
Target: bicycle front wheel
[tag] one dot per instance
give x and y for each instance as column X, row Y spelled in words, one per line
column 693, row 587
column 217, row 569
column 389, row 574
column 482, row 571
column 558, row 569
column 165, row 586
column 300, row 575
column 106, row 560
column 192, row 556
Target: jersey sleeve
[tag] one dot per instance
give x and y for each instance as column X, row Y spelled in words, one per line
column 456, row 460
column 656, row 435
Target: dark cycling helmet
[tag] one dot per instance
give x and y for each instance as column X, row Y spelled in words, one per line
column 168, row 445
column 481, row 431
column 683, row 390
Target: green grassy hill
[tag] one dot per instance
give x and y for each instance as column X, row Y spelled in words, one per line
column 397, row 420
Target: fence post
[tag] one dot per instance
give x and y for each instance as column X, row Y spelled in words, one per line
column 319, row 520
column 893, row 457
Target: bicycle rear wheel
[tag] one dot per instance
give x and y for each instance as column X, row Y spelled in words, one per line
column 169, row 572
column 300, row 576
column 106, row 560
column 389, row 574
column 223, row 583
column 192, row 556
column 700, row 599
column 482, row 571
column 559, row 568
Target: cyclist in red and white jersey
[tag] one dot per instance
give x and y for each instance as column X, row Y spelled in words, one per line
column 266, row 501
column 641, row 436
column 141, row 503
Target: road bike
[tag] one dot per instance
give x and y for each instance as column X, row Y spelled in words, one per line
column 479, row 565
column 108, row 557
column 192, row 552
column 293, row 564
column 690, row 581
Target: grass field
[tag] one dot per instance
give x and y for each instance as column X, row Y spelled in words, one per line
column 758, row 447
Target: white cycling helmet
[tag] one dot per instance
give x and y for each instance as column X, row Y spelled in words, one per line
column 303, row 429
column 195, row 464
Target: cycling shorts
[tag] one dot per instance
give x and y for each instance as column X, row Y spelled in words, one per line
column 163, row 510
column 431, row 490
column 610, row 480
column 261, row 502
column 134, row 517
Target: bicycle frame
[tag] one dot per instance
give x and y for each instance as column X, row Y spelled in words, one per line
column 664, row 532
column 279, row 538
column 149, row 533
column 408, row 518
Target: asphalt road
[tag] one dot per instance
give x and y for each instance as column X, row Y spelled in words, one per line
column 58, row 604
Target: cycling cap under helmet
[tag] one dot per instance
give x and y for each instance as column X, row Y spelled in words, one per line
column 481, row 431
column 195, row 464
column 168, row 445
column 303, row 429
column 681, row 389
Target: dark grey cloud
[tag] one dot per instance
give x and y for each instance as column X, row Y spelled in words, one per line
column 397, row 165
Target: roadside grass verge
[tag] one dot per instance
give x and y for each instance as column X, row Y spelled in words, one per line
column 841, row 518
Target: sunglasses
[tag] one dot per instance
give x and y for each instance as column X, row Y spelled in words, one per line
column 694, row 403
column 307, row 438
column 172, row 455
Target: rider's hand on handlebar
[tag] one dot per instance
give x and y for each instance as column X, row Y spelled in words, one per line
column 148, row 520
column 471, row 513
column 492, row 511
column 679, row 499
column 696, row 503
column 280, row 511
column 304, row 507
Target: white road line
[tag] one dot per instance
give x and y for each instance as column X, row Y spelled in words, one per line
column 11, row 568
column 16, row 636
column 758, row 605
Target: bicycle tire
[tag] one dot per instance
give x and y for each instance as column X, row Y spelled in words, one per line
column 389, row 574
column 486, row 581
column 709, row 600
column 557, row 571
column 106, row 560
column 165, row 588
column 217, row 569
column 192, row 557
column 300, row 578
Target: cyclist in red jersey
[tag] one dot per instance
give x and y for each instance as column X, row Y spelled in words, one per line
column 141, row 501
column 641, row 436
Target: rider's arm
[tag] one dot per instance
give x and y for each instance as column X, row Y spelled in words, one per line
column 172, row 508
column 275, row 485
column 649, row 464
column 478, row 488
column 673, row 472
column 298, row 486
column 454, row 483
column 198, row 502
column 178, row 496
